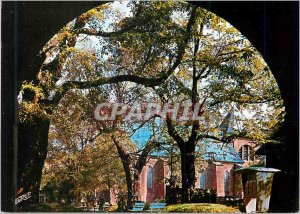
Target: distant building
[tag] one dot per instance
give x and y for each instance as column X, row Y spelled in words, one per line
column 222, row 159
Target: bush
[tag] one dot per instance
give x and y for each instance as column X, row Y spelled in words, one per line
column 202, row 208
column 204, row 196
column 113, row 208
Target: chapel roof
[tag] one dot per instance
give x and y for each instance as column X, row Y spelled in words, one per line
column 212, row 150
column 207, row 149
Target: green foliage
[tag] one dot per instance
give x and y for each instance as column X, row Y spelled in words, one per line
column 113, row 208
column 201, row 208
column 146, row 42
column 81, row 158
column 231, row 70
column 31, row 106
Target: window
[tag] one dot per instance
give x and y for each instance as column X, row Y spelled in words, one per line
column 202, row 180
column 241, row 152
column 149, row 177
column 244, row 152
column 226, row 183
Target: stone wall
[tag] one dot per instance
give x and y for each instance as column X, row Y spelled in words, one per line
column 157, row 189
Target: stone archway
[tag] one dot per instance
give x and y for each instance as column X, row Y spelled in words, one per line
column 272, row 27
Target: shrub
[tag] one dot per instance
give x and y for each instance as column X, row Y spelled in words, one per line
column 204, row 196
column 113, row 208
column 202, row 208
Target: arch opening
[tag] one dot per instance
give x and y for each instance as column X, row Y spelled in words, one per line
column 89, row 65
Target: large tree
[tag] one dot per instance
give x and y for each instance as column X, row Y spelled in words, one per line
column 220, row 70
column 40, row 97
column 74, row 133
column 149, row 44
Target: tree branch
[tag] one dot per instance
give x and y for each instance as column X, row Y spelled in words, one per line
column 92, row 32
column 223, row 139
column 143, row 157
column 173, row 133
column 146, row 81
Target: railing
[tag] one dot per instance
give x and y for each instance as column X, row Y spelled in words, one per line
column 230, row 200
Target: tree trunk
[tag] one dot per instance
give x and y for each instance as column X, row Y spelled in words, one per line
column 129, row 184
column 128, row 165
column 126, row 162
column 31, row 154
column 187, row 171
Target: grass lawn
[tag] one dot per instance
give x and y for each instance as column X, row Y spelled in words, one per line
column 202, row 208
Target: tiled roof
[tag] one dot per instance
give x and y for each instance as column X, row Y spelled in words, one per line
column 208, row 149
column 142, row 136
column 216, row 151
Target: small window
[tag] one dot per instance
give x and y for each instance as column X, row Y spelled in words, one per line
column 226, row 183
column 149, row 177
column 245, row 152
column 202, row 180
column 241, row 152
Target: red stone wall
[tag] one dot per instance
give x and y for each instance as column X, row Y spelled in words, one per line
column 142, row 193
column 238, row 143
column 157, row 191
column 214, row 178
column 211, row 177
